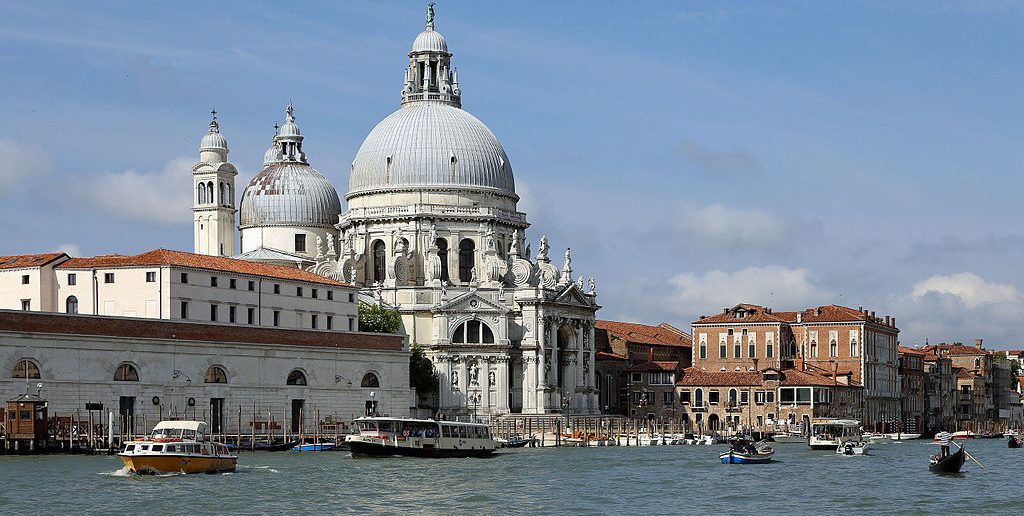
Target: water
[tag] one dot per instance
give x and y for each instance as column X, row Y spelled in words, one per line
column 614, row 480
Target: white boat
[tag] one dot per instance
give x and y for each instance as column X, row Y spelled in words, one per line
column 853, row 448
column 385, row 436
column 789, row 437
column 964, row 434
column 898, row 436
column 877, row 438
column 177, row 447
column 829, row 434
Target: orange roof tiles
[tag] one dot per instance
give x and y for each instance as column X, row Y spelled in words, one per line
column 667, row 366
column 662, row 335
column 954, row 349
column 694, row 377
column 198, row 261
column 604, row 355
column 758, row 314
column 28, row 260
column 912, row 351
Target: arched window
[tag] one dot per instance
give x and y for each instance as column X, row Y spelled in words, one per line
column 977, row 363
column 216, row 374
column 442, row 254
column 466, row 247
column 223, row 195
column 296, row 377
column 732, row 396
column 71, row 305
column 370, row 380
column 473, row 332
column 833, row 348
column 126, row 373
column 378, row 261
column 698, row 397
column 202, row 193
column 210, row 198
column 814, row 349
column 26, row 369
column 792, row 348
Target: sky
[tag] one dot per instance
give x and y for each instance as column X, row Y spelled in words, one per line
column 694, row 155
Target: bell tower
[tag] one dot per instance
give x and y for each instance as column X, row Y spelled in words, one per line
column 213, row 195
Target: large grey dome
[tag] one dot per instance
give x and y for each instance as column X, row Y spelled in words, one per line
column 431, row 144
column 289, row 193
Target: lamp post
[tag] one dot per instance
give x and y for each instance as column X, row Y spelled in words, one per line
column 475, row 398
column 372, row 409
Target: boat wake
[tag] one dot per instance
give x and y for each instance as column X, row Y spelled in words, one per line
column 125, row 472
column 261, row 468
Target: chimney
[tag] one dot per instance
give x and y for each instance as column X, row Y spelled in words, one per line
column 872, row 314
column 817, row 311
column 703, row 316
column 893, row 322
column 977, row 342
column 887, row 320
column 799, row 317
column 860, row 309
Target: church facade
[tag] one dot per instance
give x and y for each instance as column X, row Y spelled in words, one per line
column 432, row 229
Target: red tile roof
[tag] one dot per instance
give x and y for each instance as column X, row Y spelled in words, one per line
column 833, row 313
column 954, row 349
column 694, row 377
column 662, row 335
column 666, row 366
column 28, row 260
column 160, row 257
column 64, row 324
column 912, row 351
column 757, row 314
column 604, row 355
column 964, row 373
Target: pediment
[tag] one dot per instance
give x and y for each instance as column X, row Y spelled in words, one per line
column 572, row 295
column 470, row 302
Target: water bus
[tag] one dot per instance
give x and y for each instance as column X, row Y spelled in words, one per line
column 177, row 447
column 830, row 434
column 386, row 436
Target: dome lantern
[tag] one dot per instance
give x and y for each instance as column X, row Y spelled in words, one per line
column 430, row 76
column 214, row 147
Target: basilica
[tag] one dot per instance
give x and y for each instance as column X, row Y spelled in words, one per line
column 430, row 228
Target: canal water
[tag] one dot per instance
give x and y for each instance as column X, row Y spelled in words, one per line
column 615, row 480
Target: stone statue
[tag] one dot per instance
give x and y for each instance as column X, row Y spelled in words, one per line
column 474, row 373
column 455, row 378
column 472, row 275
column 319, row 247
column 430, row 16
column 380, row 290
column 490, row 378
column 579, row 283
column 432, row 236
column 330, row 246
column 568, row 260
column 352, row 274
column 593, row 286
column 542, row 251
column 444, row 289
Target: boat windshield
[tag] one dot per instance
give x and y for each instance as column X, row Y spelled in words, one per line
column 832, row 430
column 367, row 426
column 174, row 433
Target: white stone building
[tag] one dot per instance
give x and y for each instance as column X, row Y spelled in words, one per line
column 432, row 229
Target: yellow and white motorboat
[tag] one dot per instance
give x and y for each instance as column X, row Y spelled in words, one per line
column 177, row 447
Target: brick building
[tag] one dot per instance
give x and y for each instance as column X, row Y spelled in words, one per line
column 912, row 381
column 637, row 365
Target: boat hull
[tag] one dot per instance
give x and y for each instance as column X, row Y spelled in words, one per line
column 745, row 458
column 365, row 449
column 162, row 464
column 950, row 464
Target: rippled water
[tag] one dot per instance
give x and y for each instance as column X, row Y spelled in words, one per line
column 615, row 480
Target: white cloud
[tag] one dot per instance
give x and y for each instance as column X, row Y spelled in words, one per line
column 70, row 249
column 20, row 161
column 775, row 286
column 969, row 288
column 725, row 226
column 163, row 197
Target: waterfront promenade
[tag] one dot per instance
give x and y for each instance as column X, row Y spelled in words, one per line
column 616, row 480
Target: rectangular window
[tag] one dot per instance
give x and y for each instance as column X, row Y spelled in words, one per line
column 330, row 322
column 744, row 397
column 277, row 288
column 723, row 350
column 769, row 350
column 231, row 313
column 759, row 397
column 703, row 350
column 684, row 397
column 108, row 277
column 300, row 243
column 298, row 291
column 26, row 304
column 213, row 281
column 853, row 348
column 251, row 315
column 184, row 309
column 150, row 277
column 636, row 377
column 277, row 318
column 252, row 286
column 669, row 398
column 770, row 396
column 313, row 321
column 232, row 283
column 751, row 350
column 330, row 295
column 787, row 395
column 213, row 312
column 184, row 278
column 713, row 397
column 351, row 324
column 24, row 279
column 72, row 279
column 351, row 298
column 737, row 350
column 314, row 294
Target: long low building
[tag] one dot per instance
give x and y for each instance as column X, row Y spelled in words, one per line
column 145, row 369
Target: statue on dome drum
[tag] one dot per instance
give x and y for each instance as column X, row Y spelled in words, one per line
column 542, row 250
column 430, row 15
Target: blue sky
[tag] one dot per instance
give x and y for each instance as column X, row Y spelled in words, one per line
column 693, row 154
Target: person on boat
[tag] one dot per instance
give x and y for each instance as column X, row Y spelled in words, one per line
column 943, row 437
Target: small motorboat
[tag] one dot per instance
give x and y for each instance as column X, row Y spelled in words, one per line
column 964, row 434
column 789, row 437
column 745, row 452
column 177, row 447
column 877, row 438
column 325, row 446
column 951, row 463
column 514, row 442
column 1014, row 442
column 853, row 448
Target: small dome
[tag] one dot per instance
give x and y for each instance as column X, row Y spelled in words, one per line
column 289, row 129
column 213, row 141
column 430, row 41
column 272, row 155
column 291, row 194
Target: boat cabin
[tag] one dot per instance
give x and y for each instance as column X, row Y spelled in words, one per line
column 422, row 428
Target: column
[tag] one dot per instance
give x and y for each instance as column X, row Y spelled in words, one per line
column 463, row 383
column 502, row 385
column 529, row 382
column 485, row 385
